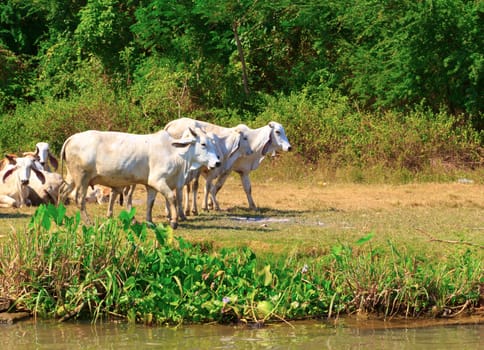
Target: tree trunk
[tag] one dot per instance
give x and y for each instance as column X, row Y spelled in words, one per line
column 235, row 27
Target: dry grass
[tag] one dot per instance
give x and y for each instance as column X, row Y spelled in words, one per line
column 310, row 216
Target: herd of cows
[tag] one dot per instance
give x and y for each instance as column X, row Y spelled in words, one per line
column 167, row 162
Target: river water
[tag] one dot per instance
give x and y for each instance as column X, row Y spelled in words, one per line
column 298, row 335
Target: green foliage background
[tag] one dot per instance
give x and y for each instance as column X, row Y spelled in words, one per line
column 397, row 84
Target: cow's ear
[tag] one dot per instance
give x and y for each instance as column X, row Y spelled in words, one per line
column 194, row 134
column 39, row 175
column 265, row 149
column 8, row 173
column 12, row 158
column 236, row 144
column 183, row 142
column 53, row 161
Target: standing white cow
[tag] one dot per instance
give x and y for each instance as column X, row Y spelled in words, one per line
column 265, row 140
column 232, row 143
column 117, row 159
column 15, row 174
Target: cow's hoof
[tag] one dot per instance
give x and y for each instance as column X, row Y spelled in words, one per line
column 174, row 225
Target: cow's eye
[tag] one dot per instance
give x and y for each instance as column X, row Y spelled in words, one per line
column 204, row 145
column 278, row 132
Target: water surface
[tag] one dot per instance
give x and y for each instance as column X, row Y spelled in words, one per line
column 301, row 335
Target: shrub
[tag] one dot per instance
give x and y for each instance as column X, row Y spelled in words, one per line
column 325, row 127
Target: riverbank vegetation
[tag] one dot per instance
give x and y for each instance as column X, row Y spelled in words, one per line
column 117, row 269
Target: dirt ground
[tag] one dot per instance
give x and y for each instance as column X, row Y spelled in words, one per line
column 293, row 196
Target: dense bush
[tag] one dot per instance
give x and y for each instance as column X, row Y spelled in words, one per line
column 325, row 126
column 322, row 126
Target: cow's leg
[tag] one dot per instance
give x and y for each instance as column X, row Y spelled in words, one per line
column 129, row 197
column 163, row 188
column 81, row 194
column 112, row 199
column 179, row 204
column 207, row 188
column 64, row 190
column 195, row 194
column 171, row 207
column 218, row 185
column 8, row 202
column 186, row 195
column 213, row 197
column 244, row 177
column 167, row 209
column 150, row 200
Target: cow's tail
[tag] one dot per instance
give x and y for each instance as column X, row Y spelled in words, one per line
column 65, row 187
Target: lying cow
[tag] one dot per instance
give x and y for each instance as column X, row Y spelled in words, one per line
column 45, row 192
column 116, row 159
column 15, row 174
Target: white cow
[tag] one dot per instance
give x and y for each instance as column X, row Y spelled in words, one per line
column 45, row 192
column 268, row 139
column 232, row 143
column 43, row 156
column 265, row 140
column 15, row 174
column 116, row 159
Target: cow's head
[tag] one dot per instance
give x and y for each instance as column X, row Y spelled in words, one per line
column 42, row 152
column 202, row 147
column 241, row 144
column 277, row 139
column 23, row 166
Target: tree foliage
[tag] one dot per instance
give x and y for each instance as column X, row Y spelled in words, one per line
column 169, row 58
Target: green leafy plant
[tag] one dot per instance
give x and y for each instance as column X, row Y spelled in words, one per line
column 118, row 268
